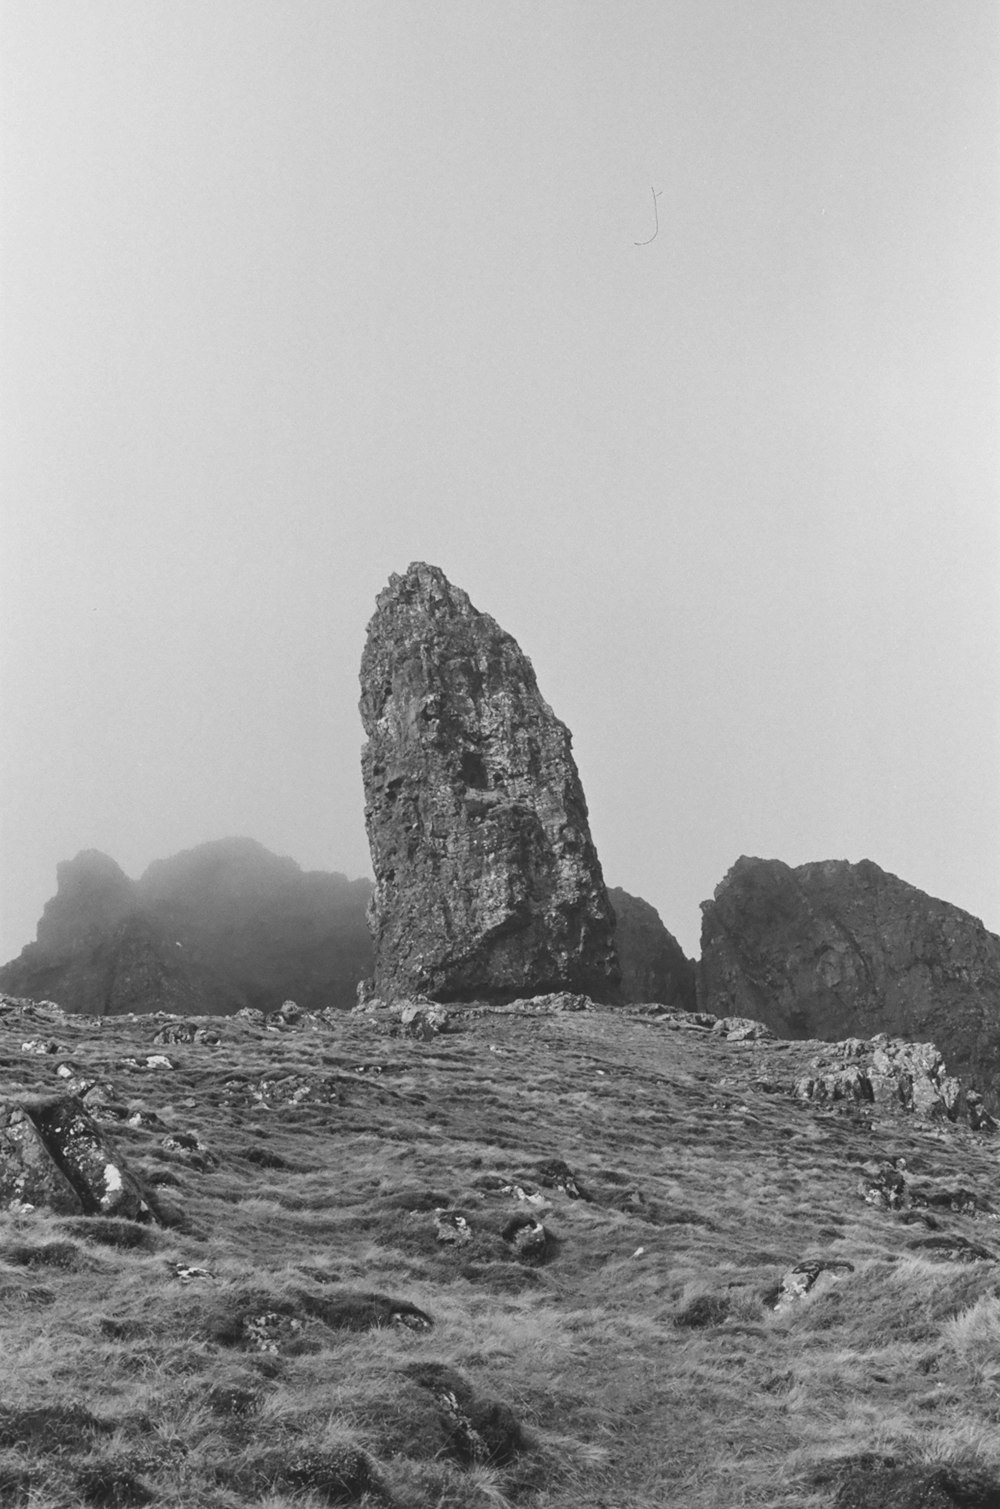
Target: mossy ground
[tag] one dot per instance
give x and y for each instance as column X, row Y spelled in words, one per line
column 260, row 1346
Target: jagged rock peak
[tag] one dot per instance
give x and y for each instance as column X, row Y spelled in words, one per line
column 487, row 883
column 833, row 949
column 217, row 928
column 654, row 966
column 93, row 893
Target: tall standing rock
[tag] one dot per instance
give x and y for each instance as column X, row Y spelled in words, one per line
column 487, row 883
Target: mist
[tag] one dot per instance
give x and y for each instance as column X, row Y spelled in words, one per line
column 668, row 331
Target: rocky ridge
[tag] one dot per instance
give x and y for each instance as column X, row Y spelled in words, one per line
column 836, row 950
column 220, row 927
column 487, row 883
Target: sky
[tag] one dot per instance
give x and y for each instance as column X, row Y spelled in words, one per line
column 668, row 329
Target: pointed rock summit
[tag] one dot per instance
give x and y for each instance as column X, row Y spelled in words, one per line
column 487, row 883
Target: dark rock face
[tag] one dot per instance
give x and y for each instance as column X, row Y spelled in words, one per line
column 487, row 884
column 654, row 966
column 834, row 949
column 213, row 930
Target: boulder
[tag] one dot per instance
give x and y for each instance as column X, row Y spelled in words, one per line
column 805, row 1276
column 87, row 1173
column 835, row 949
column 423, row 1020
column 28, row 1176
column 890, row 1074
column 487, row 883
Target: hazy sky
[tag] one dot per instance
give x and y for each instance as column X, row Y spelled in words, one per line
column 297, row 291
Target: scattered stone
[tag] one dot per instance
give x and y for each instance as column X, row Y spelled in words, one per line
column 802, row 1279
column 555, row 1174
column 451, row 1227
column 740, row 1029
column 888, row 1073
column 185, row 1032
column 423, row 1020
column 46, row 1046
column 952, row 1248
column 528, row 1237
column 188, row 1272
column 885, row 1186
column 191, row 1150
column 59, row 1130
column 487, row 883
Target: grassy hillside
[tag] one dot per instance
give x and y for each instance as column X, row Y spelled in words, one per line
column 348, row 1300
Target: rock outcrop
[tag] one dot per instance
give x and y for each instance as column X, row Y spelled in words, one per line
column 53, row 1155
column 215, row 929
column 835, row 950
column 653, row 964
column 487, row 883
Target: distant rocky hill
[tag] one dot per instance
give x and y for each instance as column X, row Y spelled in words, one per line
column 214, row 929
column 654, row 966
column 228, row 925
column 834, row 949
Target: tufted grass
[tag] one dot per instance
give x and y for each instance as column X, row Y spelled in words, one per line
column 238, row 1385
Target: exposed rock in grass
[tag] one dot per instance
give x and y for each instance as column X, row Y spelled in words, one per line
column 555, row 1174
column 885, row 1184
column 487, row 883
column 423, row 1020
column 452, row 1228
column 803, row 1278
column 183, row 1030
column 477, row 1429
column 740, row 1029
column 83, row 1161
column 28, row 1176
column 191, row 1150
column 529, row 1238
column 952, row 1248
column 888, row 1073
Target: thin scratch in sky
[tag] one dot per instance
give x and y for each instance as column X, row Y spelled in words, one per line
column 656, row 214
